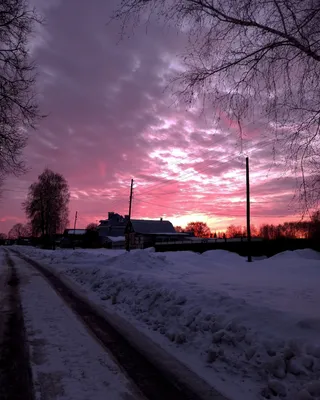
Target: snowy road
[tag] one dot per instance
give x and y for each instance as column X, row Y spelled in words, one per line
column 75, row 353
column 249, row 330
column 66, row 362
column 15, row 370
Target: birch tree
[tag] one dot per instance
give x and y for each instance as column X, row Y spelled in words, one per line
column 47, row 204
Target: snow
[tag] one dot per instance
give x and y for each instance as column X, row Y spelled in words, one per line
column 4, row 293
column 116, row 238
column 67, row 363
column 251, row 330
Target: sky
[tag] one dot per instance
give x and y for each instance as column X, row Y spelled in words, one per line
column 111, row 116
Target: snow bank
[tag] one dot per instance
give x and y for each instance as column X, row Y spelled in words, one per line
column 251, row 330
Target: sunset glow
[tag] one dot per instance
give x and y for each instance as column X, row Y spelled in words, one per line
column 111, row 118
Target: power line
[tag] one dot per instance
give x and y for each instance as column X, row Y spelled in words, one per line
column 235, row 215
column 223, row 138
column 172, row 181
column 160, row 184
column 203, row 211
column 191, row 174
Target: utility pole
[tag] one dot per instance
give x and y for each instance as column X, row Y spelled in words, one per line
column 130, row 200
column 74, row 228
column 130, row 208
column 248, row 211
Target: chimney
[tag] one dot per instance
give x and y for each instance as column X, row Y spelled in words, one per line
column 161, row 219
column 110, row 214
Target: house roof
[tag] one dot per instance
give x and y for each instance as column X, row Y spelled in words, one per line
column 76, row 231
column 151, row 226
column 116, row 238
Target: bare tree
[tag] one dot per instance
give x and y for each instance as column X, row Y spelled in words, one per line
column 47, row 204
column 92, row 226
column 235, row 231
column 287, row 230
column 315, row 225
column 3, row 236
column 256, row 60
column 200, row 229
column 18, row 105
column 18, row 230
column 1, row 183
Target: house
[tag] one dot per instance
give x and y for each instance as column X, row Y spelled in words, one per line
column 114, row 242
column 73, row 237
column 85, row 238
column 114, row 226
column 24, row 241
column 141, row 233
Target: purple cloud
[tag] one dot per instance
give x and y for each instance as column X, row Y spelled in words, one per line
column 111, row 118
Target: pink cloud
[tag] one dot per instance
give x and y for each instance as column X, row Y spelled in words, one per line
column 110, row 119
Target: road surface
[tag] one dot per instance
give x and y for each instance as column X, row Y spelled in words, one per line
column 55, row 346
column 46, row 351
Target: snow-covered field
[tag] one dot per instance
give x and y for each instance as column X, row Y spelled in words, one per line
column 250, row 330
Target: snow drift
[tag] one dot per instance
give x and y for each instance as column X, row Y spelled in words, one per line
column 251, row 330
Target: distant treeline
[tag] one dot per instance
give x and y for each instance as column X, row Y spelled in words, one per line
column 288, row 230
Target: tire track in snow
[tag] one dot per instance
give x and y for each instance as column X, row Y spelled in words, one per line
column 15, row 369
column 152, row 382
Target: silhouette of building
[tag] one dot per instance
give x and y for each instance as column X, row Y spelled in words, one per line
column 142, row 233
column 114, row 226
